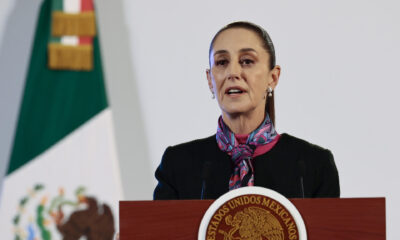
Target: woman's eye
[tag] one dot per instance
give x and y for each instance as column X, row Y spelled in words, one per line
column 246, row 62
column 221, row 62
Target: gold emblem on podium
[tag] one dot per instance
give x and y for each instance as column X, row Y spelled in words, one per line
column 253, row 223
column 249, row 214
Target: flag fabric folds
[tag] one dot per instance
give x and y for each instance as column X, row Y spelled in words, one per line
column 63, row 178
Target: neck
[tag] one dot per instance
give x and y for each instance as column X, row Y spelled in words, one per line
column 243, row 123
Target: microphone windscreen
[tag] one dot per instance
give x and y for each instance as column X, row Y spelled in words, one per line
column 206, row 170
column 302, row 168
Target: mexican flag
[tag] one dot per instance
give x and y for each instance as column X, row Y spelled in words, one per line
column 63, row 177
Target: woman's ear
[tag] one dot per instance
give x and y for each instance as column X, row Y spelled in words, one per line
column 209, row 80
column 275, row 73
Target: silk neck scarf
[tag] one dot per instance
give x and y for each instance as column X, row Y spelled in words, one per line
column 241, row 154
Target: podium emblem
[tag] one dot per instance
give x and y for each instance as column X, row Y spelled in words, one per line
column 252, row 213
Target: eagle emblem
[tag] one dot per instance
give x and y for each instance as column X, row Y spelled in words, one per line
column 253, row 223
column 41, row 217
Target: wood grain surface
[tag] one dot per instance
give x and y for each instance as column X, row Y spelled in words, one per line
column 345, row 218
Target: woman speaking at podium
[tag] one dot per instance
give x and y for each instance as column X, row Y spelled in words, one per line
column 246, row 149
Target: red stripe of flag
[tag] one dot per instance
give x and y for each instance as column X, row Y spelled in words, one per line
column 86, row 5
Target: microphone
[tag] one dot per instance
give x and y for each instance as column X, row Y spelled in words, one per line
column 302, row 170
column 205, row 175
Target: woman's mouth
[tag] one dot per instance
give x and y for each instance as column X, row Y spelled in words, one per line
column 234, row 91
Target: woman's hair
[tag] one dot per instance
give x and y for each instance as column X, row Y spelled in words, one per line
column 268, row 46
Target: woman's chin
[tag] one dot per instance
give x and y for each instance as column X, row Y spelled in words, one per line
column 242, row 108
column 236, row 111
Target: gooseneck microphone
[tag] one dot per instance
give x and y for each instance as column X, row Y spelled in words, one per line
column 302, row 171
column 204, row 176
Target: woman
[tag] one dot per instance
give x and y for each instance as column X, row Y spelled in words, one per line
column 246, row 150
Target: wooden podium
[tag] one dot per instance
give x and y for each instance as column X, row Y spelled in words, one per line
column 325, row 219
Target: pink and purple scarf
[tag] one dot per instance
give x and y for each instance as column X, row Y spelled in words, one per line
column 242, row 154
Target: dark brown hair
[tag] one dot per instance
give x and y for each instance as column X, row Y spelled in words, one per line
column 268, row 46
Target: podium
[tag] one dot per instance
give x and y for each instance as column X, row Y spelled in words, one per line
column 325, row 218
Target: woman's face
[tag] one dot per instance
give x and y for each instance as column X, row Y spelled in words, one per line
column 240, row 74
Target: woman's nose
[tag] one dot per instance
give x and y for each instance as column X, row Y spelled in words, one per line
column 234, row 70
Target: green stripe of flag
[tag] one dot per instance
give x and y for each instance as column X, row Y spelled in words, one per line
column 54, row 102
column 56, row 5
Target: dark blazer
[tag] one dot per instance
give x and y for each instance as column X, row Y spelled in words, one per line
column 181, row 172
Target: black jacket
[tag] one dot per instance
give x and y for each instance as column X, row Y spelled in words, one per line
column 181, row 172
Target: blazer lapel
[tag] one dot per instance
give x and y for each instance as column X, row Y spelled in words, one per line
column 221, row 169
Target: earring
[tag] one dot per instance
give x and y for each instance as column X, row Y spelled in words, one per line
column 212, row 95
column 269, row 90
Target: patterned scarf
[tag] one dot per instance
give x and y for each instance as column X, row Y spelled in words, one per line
column 241, row 154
